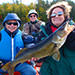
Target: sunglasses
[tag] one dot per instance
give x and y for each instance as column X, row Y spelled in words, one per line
column 33, row 16
column 14, row 23
column 59, row 14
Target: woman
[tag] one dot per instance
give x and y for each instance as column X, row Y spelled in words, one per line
column 57, row 15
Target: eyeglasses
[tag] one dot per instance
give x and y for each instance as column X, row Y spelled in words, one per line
column 14, row 23
column 33, row 16
column 59, row 14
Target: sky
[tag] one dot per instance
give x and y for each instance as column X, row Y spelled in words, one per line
column 26, row 2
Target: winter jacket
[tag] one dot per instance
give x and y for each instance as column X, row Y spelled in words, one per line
column 10, row 44
column 66, row 64
column 9, row 47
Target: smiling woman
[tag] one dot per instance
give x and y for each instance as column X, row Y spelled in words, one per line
column 57, row 15
column 59, row 18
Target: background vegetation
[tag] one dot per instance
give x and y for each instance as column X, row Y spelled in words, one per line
column 22, row 10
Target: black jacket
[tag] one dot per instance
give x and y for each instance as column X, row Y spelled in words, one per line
column 70, row 42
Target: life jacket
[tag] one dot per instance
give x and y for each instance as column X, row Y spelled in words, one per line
column 0, row 36
column 8, row 50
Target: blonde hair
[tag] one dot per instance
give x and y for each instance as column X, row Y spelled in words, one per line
column 63, row 4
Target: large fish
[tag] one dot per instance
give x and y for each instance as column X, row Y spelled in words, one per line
column 48, row 47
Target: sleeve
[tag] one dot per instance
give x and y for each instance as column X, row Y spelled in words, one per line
column 0, row 36
column 25, row 28
column 27, row 39
column 71, row 22
column 43, row 23
column 70, row 42
column 43, row 34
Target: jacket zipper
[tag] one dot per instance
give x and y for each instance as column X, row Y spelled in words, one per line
column 12, row 47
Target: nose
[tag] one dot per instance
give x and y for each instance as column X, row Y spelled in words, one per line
column 56, row 15
column 12, row 25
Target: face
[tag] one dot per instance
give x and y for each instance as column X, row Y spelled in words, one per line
column 11, row 25
column 57, row 16
column 33, row 17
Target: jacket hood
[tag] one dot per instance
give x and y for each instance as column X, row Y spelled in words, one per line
column 12, row 16
column 32, row 11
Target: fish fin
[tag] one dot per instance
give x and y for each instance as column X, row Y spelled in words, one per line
column 11, row 70
column 70, row 28
column 6, row 66
column 56, row 56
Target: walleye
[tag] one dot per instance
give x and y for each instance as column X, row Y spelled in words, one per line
column 48, row 47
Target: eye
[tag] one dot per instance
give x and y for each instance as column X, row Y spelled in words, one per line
column 60, row 13
column 53, row 15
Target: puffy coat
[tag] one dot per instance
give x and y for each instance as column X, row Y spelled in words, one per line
column 6, row 44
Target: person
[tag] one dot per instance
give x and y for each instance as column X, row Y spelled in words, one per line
column 33, row 27
column 11, row 42
column 58, row 14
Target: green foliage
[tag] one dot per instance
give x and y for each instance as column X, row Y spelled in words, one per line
column 22, row 10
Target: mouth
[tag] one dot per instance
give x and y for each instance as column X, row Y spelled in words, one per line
column 57, row 19
column 12, row 28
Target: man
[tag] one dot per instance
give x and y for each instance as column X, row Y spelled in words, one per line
column 33, row 27
column 11, row 42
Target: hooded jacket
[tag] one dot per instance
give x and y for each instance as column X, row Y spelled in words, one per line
column 7, row 43
column 12, row 16
column 10, row 43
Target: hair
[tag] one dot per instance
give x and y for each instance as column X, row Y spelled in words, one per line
column 63, row 5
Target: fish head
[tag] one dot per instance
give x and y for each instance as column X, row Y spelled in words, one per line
column 61, row 35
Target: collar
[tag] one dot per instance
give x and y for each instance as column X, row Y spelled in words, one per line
column 11, row 34
column 34, row 22
column 53, row 28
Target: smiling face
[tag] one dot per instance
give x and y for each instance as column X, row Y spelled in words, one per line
column 11, row 25
column 57, row 16
column 33, row 17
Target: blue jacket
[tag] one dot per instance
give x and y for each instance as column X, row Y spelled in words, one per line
column 9, row 46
